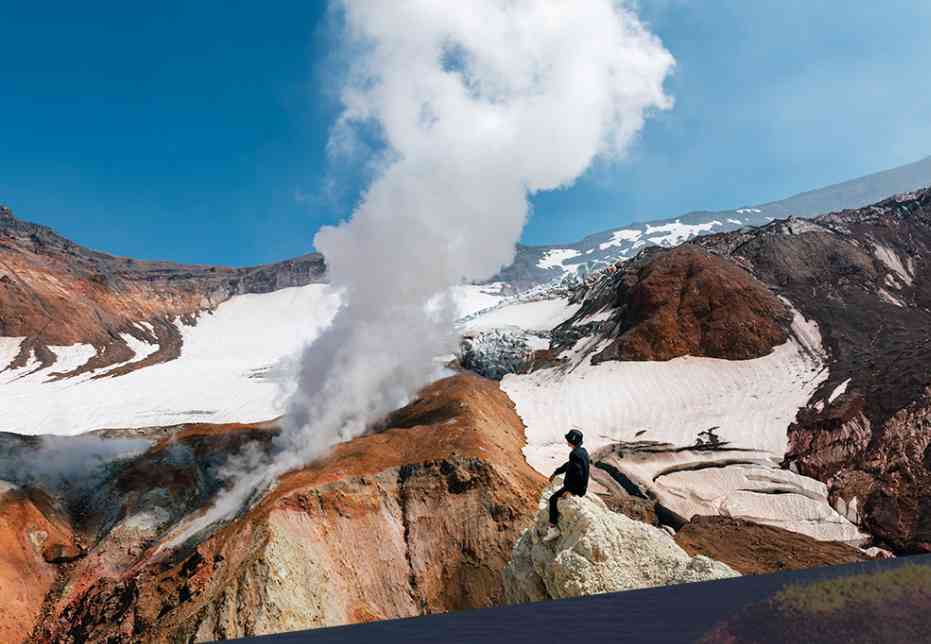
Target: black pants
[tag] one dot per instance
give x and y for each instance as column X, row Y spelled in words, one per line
column 554, row 511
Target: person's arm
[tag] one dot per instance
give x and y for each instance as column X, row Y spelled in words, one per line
column 560, row 470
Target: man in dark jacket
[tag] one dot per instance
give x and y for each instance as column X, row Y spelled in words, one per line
column 575, row 482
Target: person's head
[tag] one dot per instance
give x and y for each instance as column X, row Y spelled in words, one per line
column 574, row 438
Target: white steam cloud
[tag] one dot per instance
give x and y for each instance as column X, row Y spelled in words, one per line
column 479, row 104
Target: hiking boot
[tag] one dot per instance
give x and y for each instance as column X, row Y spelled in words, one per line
column 551, row 534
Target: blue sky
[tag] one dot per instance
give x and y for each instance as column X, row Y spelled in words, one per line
column 197, row 131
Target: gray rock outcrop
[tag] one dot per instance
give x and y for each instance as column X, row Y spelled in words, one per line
column 598, row 551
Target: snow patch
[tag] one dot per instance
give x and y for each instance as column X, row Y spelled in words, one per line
column 892, row 261
column 740, row 484
column 677, row 232
column 751, row 401
column 886, row 296
column 68, row 358
column 9, row 349
column 600, row 316
column 472, row 298
column 838, row 390
column 806, row 332
column 555, row 258
column 234, row 366
column 891, row 281
column 540, row 315
column 618, row 237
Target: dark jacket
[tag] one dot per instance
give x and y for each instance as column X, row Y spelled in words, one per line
column 576, row 471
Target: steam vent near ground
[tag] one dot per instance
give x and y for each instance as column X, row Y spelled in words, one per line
column 351, row 312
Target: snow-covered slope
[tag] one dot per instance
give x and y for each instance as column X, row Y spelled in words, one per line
column 751, row 401
column 472, row 298
column 669, row 403
column 537, row 316
column 226, row 371
column 233, row 367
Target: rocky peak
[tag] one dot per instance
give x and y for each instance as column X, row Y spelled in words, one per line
column 598, row 551
column 669, row 303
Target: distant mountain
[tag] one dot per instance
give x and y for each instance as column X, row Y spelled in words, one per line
column 851, row 289
column 538, row 264
column 802, row 340
column 54, row 292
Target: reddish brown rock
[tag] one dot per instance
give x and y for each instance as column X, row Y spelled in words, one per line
column 864, row 276
column 416, row 519
column 55, row 292
column 822, row 444
column 751, row 548
column 684, row 301
column 892, row 482
column 30, row 528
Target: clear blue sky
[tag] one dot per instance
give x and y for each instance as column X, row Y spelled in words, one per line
column 197, row 131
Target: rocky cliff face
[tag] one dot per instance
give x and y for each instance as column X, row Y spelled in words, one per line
column 598, row 551
column 35, row 540
column 415, row 519
column 684, row 301
column 864, row 278
column 55, row 292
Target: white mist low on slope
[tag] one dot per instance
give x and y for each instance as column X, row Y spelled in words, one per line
column 226, row 371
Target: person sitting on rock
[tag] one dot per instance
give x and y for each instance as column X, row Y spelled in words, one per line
column 575, row 482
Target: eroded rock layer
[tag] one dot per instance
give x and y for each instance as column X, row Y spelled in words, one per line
column 751, row 548
column 54, row 292
column 415, row 519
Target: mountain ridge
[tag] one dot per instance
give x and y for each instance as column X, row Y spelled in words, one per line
column 535, row 264
column 54, row 292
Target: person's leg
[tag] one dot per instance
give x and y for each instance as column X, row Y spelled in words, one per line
column 554, row 511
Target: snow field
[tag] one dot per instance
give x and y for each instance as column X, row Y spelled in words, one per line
column 230, row 369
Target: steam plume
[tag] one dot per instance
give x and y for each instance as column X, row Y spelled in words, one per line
column 479, row 104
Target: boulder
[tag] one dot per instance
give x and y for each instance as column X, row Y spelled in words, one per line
column 598, row 551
